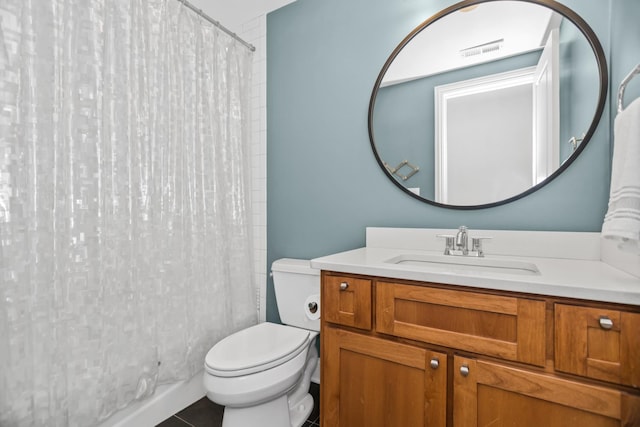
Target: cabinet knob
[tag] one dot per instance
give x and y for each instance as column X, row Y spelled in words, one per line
column 434, row 363
column 464, row 370
column 344, row 286
column 606, row 323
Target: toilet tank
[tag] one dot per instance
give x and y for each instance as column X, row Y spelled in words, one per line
column 297, row 285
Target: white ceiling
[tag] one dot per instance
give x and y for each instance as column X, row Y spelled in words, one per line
column 233, row 13
column 523, row 27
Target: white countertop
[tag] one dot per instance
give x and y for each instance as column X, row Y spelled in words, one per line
column 572, row 278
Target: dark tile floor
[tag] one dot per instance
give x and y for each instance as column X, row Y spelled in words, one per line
column 205, row 413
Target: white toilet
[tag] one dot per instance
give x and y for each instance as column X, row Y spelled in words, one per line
column 262, row 374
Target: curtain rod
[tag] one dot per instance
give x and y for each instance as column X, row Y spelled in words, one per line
column 217, row 24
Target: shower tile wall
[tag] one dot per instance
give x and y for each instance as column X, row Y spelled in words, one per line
column 255, row 32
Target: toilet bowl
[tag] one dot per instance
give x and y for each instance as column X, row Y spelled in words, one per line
column 261, row 374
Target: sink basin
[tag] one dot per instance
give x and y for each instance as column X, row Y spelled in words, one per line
column 450, row 263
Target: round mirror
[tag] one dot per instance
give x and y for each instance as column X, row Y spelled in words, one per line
column 487, row 101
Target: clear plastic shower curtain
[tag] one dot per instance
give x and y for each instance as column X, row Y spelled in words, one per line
column 124, row 203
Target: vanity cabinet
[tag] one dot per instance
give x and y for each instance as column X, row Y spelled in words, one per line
column 425, row 354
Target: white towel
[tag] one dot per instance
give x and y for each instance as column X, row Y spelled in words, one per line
column 622, row 221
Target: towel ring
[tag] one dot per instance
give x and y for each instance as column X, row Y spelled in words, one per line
column 623, row 86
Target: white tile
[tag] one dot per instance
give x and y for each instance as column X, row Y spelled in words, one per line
column 254, row 31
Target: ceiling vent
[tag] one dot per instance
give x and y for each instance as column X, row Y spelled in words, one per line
column 482, row 49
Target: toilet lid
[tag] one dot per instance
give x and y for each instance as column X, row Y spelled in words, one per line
column 255, row 349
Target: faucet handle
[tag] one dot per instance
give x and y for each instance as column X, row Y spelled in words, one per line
column 476, row 244
column 449, row 242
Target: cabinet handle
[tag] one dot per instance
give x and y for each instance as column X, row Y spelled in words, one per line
column 464, row 370
column 606, row 323
column 434, row 363
column 344, row 286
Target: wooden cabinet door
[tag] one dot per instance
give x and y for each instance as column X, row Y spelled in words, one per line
column 346, row 301
column 370, row 382
column 503, row 326
column 598, row 343
column 488, row 394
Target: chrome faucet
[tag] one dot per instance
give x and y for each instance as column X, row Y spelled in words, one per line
column 462, row 240
column 459, row 244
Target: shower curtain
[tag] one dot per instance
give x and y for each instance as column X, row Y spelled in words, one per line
column 125, row 235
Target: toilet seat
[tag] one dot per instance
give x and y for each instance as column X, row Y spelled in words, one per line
column 256, row 349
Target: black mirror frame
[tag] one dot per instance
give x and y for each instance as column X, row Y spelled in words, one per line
column 568, row 13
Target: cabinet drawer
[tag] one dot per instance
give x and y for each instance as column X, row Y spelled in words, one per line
column 598, row 343
column 507, row 327
column 346, row 301
column 489, row 394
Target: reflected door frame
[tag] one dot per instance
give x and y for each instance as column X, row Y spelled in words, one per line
column 443, row 95
column 546, row 110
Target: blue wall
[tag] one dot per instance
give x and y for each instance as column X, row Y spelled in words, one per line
column 625, row 51
column 324, row 185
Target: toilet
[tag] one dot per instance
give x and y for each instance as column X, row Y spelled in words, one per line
column 262, row 374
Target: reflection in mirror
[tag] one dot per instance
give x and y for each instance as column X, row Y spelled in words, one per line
column 486, row 103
